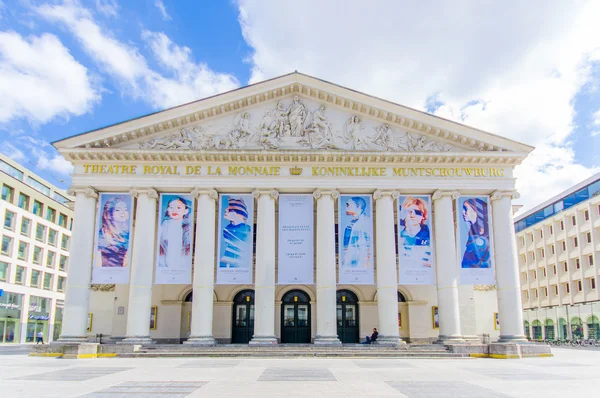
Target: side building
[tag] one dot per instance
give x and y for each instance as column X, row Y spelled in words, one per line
column 558, row 244
column 34, row 253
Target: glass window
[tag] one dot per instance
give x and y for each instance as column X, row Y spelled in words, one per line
column 23, row 249
column 586, row 215
column 25, row 226
column 591, row 260
column 4, row 271
column 11, row 171
column 592, row 282
column 51, row 214
column 577, row 264
column 35, row 278
column 50, row 259
column 23, row 202
column 20, row 276
column 59, row 198
column 6, row 245
column 64, row 243
column 38, row 186
column 579, row 286
column 573, row 220
column 37, row 254
column 40, row 232
column 47, row 281
column 52, row 237
column 60, row 285
column 62, row 220
column 8, row 193
column 62, row 263
column 38, row 208
column 548, row 211
column 9, row 220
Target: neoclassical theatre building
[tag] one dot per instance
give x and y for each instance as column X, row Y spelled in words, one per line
column 292, row 211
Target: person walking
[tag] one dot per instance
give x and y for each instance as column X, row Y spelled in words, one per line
column 40, row 337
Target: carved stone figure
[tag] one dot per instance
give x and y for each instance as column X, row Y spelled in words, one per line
column 352, row 131
column 422, row 144
column 297, row 116
column 180, row 140
column 384, row 138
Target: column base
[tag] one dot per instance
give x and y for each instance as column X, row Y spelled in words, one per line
column 327, row 340
column 452, row 339
column 512, row 339
column 70, row 340
column 263, row 340
column 137, row 340
column 206, row 341
column 390, row 341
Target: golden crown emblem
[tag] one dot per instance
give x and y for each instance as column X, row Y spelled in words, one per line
column 295, row 171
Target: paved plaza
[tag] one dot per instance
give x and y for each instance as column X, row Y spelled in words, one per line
column 568, row 373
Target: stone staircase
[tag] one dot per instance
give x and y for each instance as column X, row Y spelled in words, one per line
column 293, row 350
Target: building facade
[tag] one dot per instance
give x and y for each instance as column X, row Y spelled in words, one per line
column 34, row 254
column 558, row 245
column 293, row 211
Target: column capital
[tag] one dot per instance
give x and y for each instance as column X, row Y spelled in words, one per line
column 151, row 192
column 89, row 192
column 500, row 194
column 273, row 193
column 440, row 194
column 212, row 193
column 319, row 192
column 380, row 193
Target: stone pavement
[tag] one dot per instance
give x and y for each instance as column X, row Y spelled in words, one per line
column 569, row 373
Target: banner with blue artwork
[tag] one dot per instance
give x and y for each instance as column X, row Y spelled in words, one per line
column 175, row 236
column 415, row 248
column 295, row 263
column 112, row 251
column 235, row 249
column 355, row 239
column 474, row 240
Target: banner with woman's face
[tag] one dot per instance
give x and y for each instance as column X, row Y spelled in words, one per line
column 415, row 248
column 355, row 239
column 475, row 255
column 112, row 253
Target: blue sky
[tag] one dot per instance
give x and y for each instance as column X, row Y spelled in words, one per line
column 526, row 70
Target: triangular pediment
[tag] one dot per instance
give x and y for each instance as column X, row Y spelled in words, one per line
column 294, row 112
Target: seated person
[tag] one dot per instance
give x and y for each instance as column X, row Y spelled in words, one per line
column 369, row 340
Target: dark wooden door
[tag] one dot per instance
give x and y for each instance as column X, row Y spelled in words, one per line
column 295, row 317
column 243, row 317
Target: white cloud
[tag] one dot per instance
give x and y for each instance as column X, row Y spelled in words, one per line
column 511, row 68
column 163, row 10
column 55, row 163
column 39, row 79
column 12, row 151
column 129, row 67
column 107, row 7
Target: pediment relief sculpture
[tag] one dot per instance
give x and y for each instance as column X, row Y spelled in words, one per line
column 295, row 126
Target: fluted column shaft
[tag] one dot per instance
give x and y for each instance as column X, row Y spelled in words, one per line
column 510, row 310
column 446, row 267
column 204, row 269
column 74, row 326
column 326, row 278
column 387, row 277
column 142, row 268
column 264, row 302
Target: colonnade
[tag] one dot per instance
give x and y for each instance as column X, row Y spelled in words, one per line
column 142, row 266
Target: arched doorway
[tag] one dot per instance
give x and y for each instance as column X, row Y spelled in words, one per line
column 347, row 316
column 243, row 317
column 186, row 317
column 549, row 329
column 295, row 317
column 536, row 327
column 576, row 328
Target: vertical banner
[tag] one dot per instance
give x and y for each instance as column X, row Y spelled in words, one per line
column 112, row 254
column 474, row 243
column 175, row 235
column 296, row 239
column 355, row 239
column 415, row 248
column 235, row 251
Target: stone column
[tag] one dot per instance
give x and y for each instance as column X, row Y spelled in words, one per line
column 387, row 277
column 142, row 268
column 264, row 285
column 204, row 269
column 510, row 310
column 446, row 262
column 326, row 278
column 74, row 327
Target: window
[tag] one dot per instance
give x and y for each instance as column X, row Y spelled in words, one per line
column 40, row 232
column 575, row 242
column 579, row 286
column 564, row 246
column 522, row 241
column 60, row 284
column 62, row 220
column 573, row 220
column 541, row 234
column 592, row 283
column 6, row 245
column 35, row 278
column 543, row 253
column 567, row 288
column 9, row 220
column 532, row 256
column 38, row 186
column 37, row 254
column 534, row 274
column 23, row 249
column 25, row 226
column 531, row 237
column 545, row 292
column 3, row 271
column 50, row 259
column 577, row 264
column 544, row 271
column 51, row 214
column 556, row 290
column 64, row 243
column 62, row 263
column 8, row 193
column 52, row 237
column 23, row 202
column 47, row 281
column 586, row 215
column 536, row 293
column 525, row 276
column 551, row 230
column 566, row 267
column 38, row 208
column 527, row 294
column 554, row 269
column 562, row 225
column 552, row 249
column 59, row 198
column 591, row 260
column 20, row 276
column 588, row 237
